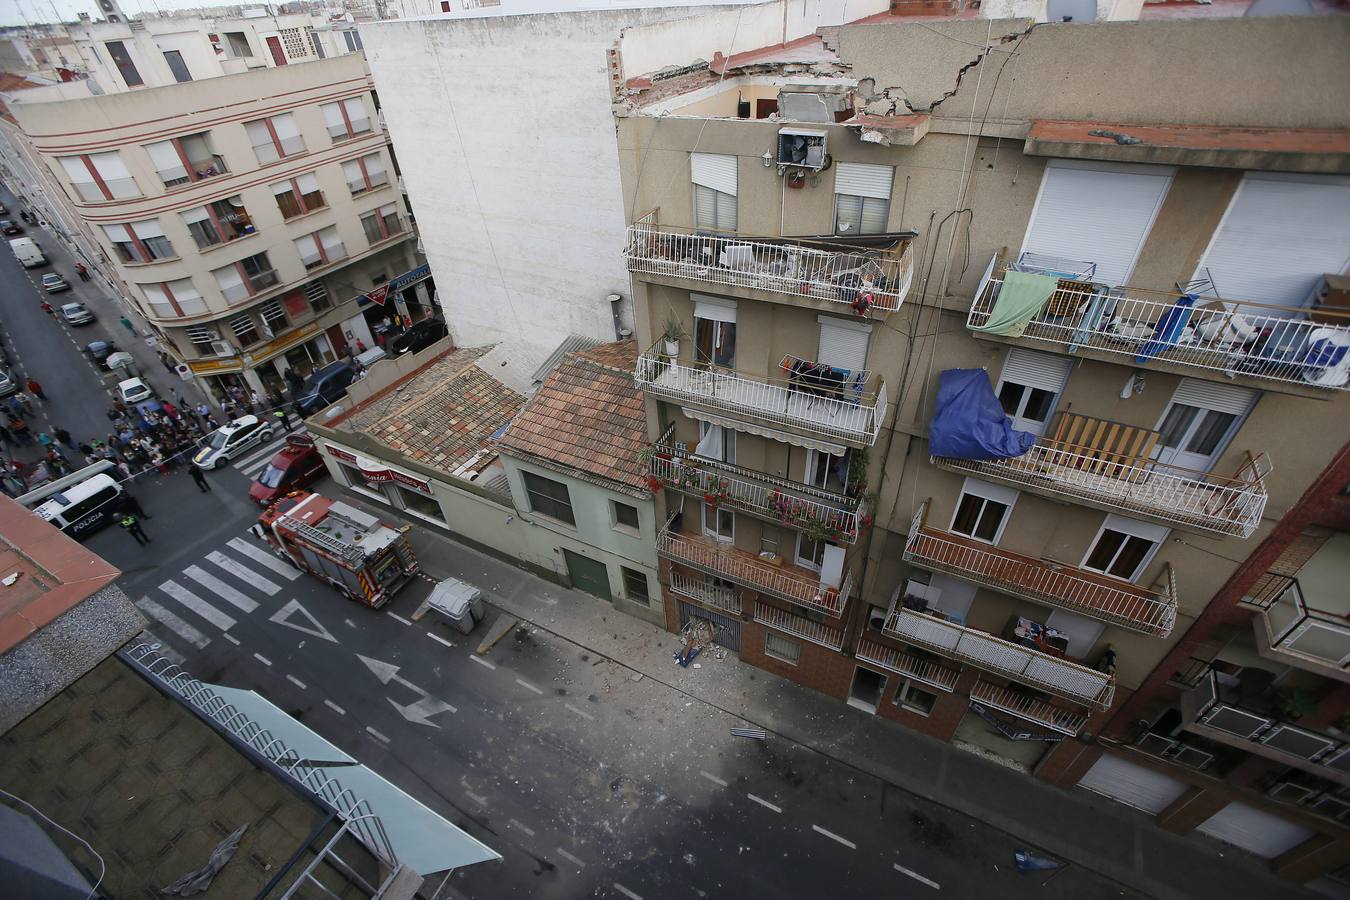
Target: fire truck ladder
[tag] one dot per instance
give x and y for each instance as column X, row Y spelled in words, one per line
column 341, row 549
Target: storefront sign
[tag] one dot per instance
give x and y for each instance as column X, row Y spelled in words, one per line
column 380, row 294
column 215, row 366
column 376, row 473
column 285, row 342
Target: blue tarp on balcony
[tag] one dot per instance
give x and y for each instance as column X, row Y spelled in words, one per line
column 969, row 422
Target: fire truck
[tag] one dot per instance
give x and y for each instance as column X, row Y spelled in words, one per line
column 352, row 550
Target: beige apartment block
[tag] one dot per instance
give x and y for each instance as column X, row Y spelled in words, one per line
column 819, row 230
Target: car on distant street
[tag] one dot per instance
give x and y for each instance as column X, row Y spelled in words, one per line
column 7, row 385
column 418, row 338
column 295, row 465
column 99, row 351
column 8, row 226
column 54, row 284
column 133, row 391
column 3, row 209
column 76, row 314
column 230, row 440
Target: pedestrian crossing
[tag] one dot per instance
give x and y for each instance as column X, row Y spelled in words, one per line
column 256, row 461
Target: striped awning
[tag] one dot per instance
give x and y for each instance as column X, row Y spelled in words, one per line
column 772, row 434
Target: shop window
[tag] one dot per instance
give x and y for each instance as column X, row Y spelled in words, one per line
column 421, row 504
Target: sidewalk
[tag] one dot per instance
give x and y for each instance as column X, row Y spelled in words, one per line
column 1074, row 825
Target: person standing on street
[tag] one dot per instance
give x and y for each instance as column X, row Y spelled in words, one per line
column 63, row 436
column 126, row 323
column 132, row 505
column 35, row 389
column 47, row 308
column 199, row 479
column 132, row 526
column 82, row 271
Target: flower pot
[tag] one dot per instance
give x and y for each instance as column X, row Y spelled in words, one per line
column 672, row 348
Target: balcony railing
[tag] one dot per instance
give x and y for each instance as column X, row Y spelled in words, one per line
column 933, row 674
column 1140, row 609
column 741, row 567
column 1056, row 718
column 1288, row 624
column 1198, row 500
column 1051, row 674
column 848, row 412
column 775, row 499
column 798, row 626
column 707, row 594
column 860, row 279
column 1276, row 343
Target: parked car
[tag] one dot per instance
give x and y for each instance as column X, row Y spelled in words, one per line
column 295, row 465
column 54, row 284
column 133, row 391
column 8, row 226
column 76, row 314
column 99, row 351
column 418, row 338
column 7, row 384
column 324, row 386
column 3, row 209
column 230, row 440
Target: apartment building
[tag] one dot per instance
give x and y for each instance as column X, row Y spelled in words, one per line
column 254, row 218
column 885, row 471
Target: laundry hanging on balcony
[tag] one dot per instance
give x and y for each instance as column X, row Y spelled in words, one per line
column 1167, row 333
column 1021, row 297
column 970, row 423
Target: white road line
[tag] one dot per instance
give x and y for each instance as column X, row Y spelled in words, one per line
column 626, row 892
column 713, row 778
column 220, row 588
column 253, row 469
column 570, row 858
column 831, row 835
column 482, row 662
column 262, row 659
column 476, row 798
column 267, row 560
column 529, row 687
column 264, row 452
column 397, row 618
column 917, row 877
column 232, row 639
column 581, row 712
column 334, row 707
column 297, row 682
column 765, row 803
column 438, row 639
column 197, row 605
column 243, row 573
column 173, row 623
column 375, row 734
column 514, row 824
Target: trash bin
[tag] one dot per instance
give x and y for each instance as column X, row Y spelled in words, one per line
column 459, row 602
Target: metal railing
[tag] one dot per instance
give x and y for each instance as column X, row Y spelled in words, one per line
column 1065, row 721
column 1292, row 626
column 1258, row 729
column 857, row 278
column 707, row 594
column 1223, row 505
column 1145, row 610
column 365, row 824
column 1278, row 343
column 798, row 626
column 776, row 499
column 931, row 673
column 850, row 415
column 734, row 565
column 1060, row 677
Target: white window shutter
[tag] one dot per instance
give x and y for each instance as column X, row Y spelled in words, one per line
column 843, row 344
column 332, row 116
column 1225, row 398
column 714, row 309
column 1036, row 370
column 281, row 187
column 308, row 183
column 165, row 159
column 374, row 168
column 714, row 170
column 116, row 233
column 194, row 215
column 189, row 298
column 148, row 228
column 863, row 180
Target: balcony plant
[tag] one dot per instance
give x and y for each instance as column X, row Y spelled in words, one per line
column 655, row 484
column 716, row 491
column 672, row 335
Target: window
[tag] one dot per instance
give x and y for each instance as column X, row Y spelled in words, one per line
column 317, row 295
column 316, row 43
column 298, row 195
column 625, row 516
column 273, row 316
column 320, row 248
column 100, row 176
column 258, row 271
column 862, row 198
column 715, row 332
column 346, row 118
column 186, row 159
column 364, row 174
column 173, row 299
column 445, row 5
column 827, row 472
column 1200, row 421
column 843, row 344
column 635, row 586
column 419, row 503
column 382, row 224
column 177, row 66
column 139, row 242
column 718, row 523
column 274, row 137
column 549, row 497
column 122, row 59
column 782, row 649
column 909, row 695
column 811, row 554
column 714, row 178
column 201, row 336
column 238, row 44
column 353, row 40
column 716, row 443
column 218, row 222
column 983, row 510
column 246, row 277
column 1123, row 547
column 244, row 329
column 389, row 218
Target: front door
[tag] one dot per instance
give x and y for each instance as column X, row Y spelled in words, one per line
column 337, row 339
column 587, row 574
column 865, row 692
column 278, row 55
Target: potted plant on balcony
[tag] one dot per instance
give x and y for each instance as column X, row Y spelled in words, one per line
column 655, row 484
column 717, row 490
column 673, row 333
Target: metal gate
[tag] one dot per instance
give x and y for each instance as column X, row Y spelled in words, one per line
column 729, row 632
column 588, row 575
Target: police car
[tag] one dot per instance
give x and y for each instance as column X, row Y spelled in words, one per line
column 228, row 441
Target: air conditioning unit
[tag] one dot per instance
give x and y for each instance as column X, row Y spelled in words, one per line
column 222, row 348
column 801, row 148
column 1331, row 805
column 1291, row 792
column 1190, row 756
column 1156, row 744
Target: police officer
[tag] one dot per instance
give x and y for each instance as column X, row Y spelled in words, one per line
column 132, row 525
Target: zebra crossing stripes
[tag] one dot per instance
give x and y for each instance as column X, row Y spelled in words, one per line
column 253, row 464
column 172, row 622
column 220, row 588
column 197, row 605
column 243, row 573
column 264, row 558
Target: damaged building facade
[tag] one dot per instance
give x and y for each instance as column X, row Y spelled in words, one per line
column 978, row 356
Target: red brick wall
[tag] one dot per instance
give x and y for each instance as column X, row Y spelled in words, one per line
column 946, row 714
column 819, row 668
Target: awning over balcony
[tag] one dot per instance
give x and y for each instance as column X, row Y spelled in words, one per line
column 770, row 433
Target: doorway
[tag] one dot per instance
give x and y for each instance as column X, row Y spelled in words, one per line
column 278, row 55
column 865, row 692
column 587, row 575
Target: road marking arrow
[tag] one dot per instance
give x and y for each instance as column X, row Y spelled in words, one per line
column 387, row 672
column 419, row 713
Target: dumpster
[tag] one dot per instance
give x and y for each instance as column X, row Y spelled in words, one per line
column 459, row 602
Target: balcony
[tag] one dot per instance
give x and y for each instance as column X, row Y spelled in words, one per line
column 701, row 591
column 849, row 411
column 1289, row 630
column 933, row 674
column 1051, row 674
column 844, row 272
column 1017, row 703
column 786, row 622
column 799, row 586
column 1276, row 347
column 772, row 499
column 1145, row 610
column 1245, row 713
column 1088, row 462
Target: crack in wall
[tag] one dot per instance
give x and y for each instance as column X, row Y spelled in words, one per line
column 885, row 103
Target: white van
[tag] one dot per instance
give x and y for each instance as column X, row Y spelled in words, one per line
column 27, row 252
column 85, row 507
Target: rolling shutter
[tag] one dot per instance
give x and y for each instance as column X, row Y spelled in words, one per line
column 1254, row 830
column 843, row 344
column 1225, row 398
column 1096, row 213
column 1037, row 370
column 117, row 233
column 714, row 170
column 1132, row 785
column 1278, row 237
column 165, row 158
column 148, row 228
column 863, row 180
column 714, row 309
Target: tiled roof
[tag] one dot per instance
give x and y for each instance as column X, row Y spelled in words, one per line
column 444, row 415
column 587, row 416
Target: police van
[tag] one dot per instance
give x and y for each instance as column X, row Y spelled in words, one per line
column 80, row 503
